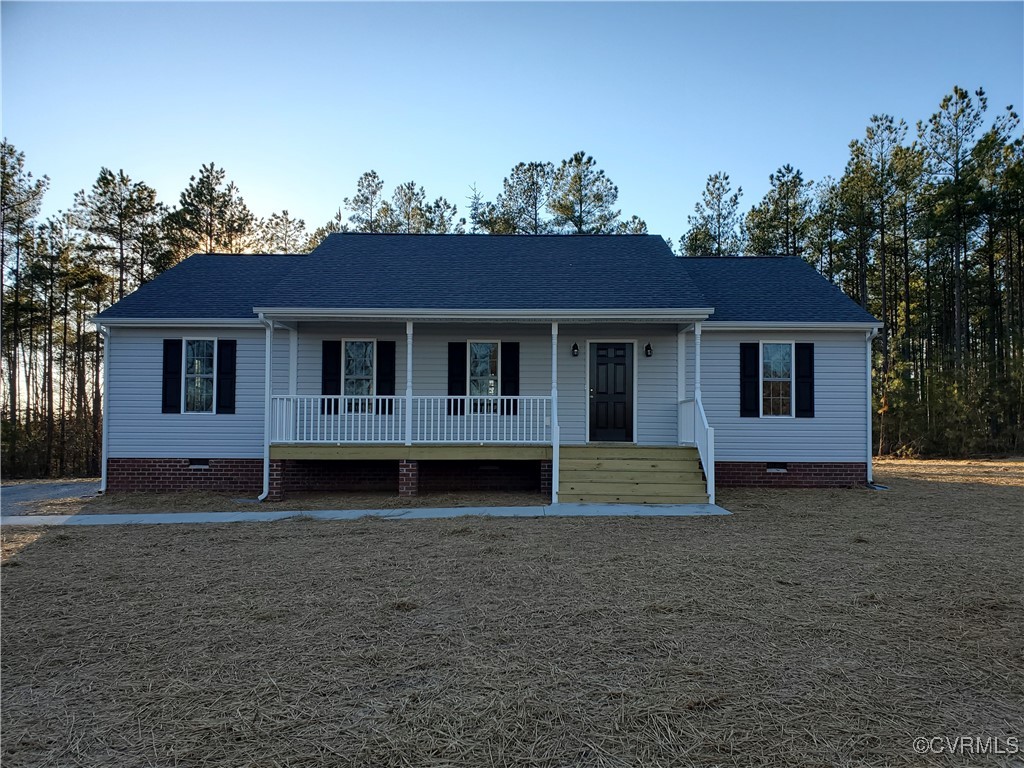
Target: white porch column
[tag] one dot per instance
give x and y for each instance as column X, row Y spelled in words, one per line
column 408, row 382
column 554, row 413
column 293, row 361
column 681, row 364
column 267, row 393
column 696, row 360
column 680, row 383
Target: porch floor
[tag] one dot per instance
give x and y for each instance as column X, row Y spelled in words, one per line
column 447, row 452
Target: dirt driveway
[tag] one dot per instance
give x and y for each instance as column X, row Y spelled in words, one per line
column 17, row 498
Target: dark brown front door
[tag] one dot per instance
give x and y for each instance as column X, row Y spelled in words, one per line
column 611, row 392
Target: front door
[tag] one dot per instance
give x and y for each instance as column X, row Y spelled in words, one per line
column 611, row 392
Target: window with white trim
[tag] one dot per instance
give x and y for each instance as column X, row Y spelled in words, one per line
column 776, row 379
column 483, row 373
column 357, row 367
column 200, row 376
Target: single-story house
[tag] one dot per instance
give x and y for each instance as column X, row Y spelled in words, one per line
column 596, row 368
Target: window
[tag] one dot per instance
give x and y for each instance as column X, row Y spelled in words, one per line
column 777, row 379
column 200, row 375
column 357, row 370
column 483, row 375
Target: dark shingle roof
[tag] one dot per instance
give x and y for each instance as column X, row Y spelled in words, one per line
column 572, row 272
column 489, row 272
column 206, row 285
column 771, row 289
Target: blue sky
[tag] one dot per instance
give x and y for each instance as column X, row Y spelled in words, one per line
column 295, row 100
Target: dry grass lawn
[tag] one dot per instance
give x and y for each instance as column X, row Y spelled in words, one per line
column 219, row 502
column 811, row 628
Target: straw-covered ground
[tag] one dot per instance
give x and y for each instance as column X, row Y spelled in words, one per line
column 199, row 501
column 811, row 628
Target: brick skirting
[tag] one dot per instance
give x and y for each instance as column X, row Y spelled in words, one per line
column 796, row 475
column 242, row 476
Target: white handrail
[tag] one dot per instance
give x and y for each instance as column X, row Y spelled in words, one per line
column 695, row 430
column 705, row 435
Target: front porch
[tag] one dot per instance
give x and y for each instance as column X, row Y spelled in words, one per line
column 519, row 391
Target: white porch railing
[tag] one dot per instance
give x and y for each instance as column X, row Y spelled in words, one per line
column 695, row 430
column 481, row 419
column 438, row 419
column 339, row 419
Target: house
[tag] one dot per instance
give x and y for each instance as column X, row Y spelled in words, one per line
column 599, row 368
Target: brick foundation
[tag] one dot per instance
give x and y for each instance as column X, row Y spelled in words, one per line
column 241, row 476
column 797, row 475
column 245, row 476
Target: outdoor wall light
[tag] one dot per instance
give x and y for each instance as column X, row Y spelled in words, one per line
column 575, row 349
column 648, row 350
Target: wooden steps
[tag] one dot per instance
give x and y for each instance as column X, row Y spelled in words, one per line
column 630, row 474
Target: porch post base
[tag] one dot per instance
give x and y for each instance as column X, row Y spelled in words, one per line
column 408, row 477
column 276, row 480
column 545, row 476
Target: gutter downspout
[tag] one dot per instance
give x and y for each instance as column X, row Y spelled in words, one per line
column 266, row 409
column 105, row 333
column 868, row 337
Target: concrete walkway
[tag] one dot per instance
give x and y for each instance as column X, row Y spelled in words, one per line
column 551, row 510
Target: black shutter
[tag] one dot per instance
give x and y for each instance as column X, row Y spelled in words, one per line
column 749, row 380
column 330, row 375
column 456, row 377
column 510, row 376
column 172, row 376
column 386, row 376
column 226, row 350
column 804, row 381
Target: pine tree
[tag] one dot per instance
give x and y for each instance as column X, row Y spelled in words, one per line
column 777, row 226
column 367, row 204
column 583, row 198
column 213, row 214
column 282, row 233
column 714, row 227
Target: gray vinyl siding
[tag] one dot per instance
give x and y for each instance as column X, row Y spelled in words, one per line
column 656, row 376
column 836, row 433
column 280, row 362
column 137, row 428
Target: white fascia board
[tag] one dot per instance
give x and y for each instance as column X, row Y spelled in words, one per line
column 205, row 322
column 711, row 325
column 540, row 315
